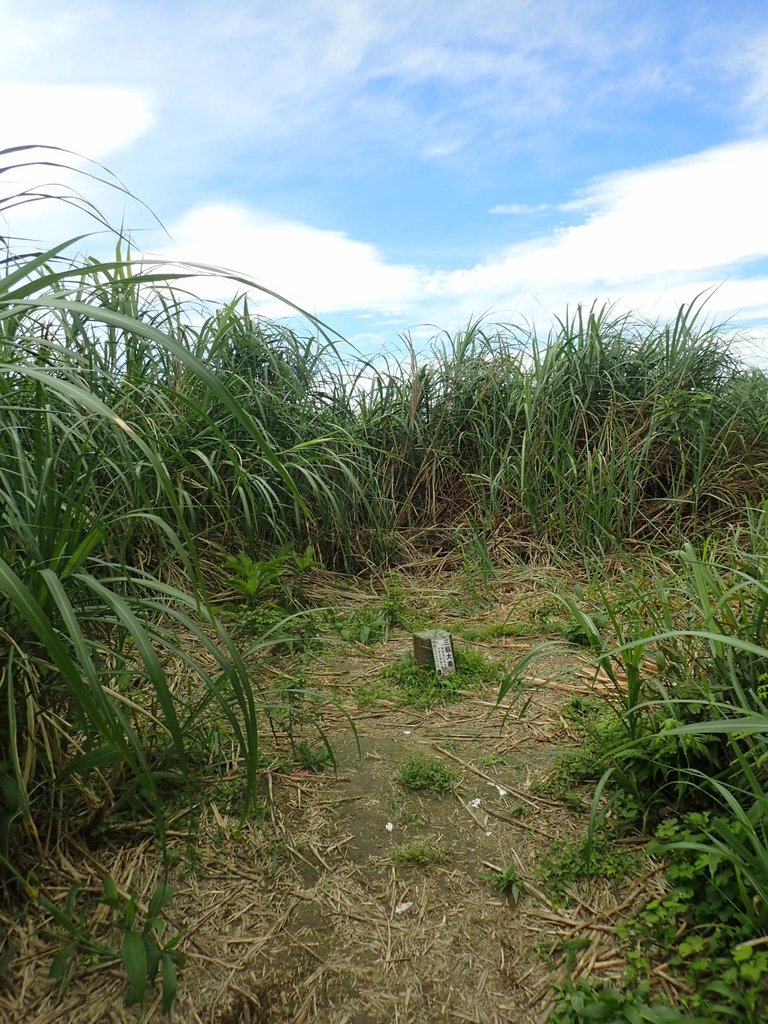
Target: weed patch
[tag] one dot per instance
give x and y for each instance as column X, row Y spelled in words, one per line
column 142, row 949
column 704, row 926
column 598, row 856
column 507, row 880
column 580, row 1001
column 421, row 855
column 421, row 688
column 421, row 773
column 313, row 758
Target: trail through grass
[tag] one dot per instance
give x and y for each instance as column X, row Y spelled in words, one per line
column 445, row 862
column 405, row 881
column 174, row 477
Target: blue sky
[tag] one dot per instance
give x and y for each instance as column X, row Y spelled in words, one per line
column 391, row 165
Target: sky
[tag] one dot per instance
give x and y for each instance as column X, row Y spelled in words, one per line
column 402, row 166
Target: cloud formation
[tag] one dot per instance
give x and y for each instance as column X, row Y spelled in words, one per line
column 95, row 120
column 656, row 236
column 348, row 153
column 322, row 271
column 429, row 79
column 518, row 209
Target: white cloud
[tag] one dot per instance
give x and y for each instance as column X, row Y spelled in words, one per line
column 651, row 238
column 317, row 91
column 426, row 79
column 705, row 212
column 754, row 58
column 322, row 271
column 91, row 123
column 518, row 209
column 94, row 120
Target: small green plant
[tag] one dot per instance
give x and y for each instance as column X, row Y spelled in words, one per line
column 597, row 856
column 363, row 625
column 422, row 854
column 394, row 605
column 508, row 881
column 314, row 759
column 277, row 579
column 579, row 1001
column 422, row 773
column 494, row 761
column 142, row 950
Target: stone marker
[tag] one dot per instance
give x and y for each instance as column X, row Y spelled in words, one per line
column 434, row 649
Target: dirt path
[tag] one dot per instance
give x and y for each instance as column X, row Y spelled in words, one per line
column 355, row 901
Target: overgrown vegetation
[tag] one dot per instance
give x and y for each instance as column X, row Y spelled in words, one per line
column 677, row 745
column 172, row 472
column 141, row 949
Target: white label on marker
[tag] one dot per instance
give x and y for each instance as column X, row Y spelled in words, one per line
column 442, row 652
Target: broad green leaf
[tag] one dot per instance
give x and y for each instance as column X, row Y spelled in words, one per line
column 134, row 957
column 170, row 981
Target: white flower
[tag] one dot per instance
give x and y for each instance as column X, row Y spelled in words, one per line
column 389, row 826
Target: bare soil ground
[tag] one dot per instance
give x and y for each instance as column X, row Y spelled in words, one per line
column 312, row 914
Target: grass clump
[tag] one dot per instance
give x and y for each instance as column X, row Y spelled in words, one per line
column 313, row 758
column 362, row 625
column 598, row 856
column 507, row 880
column 502, row 630
column 425, row 774
column 548, row 617
column 421, row 854
column 422, row 688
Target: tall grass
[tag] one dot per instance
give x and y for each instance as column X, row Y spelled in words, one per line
column 146, row 436
column 680, row 747
column 612, row 430
column 122, row 449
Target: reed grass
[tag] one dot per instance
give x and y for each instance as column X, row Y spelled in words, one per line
column 146, row 437
column 680, row 748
